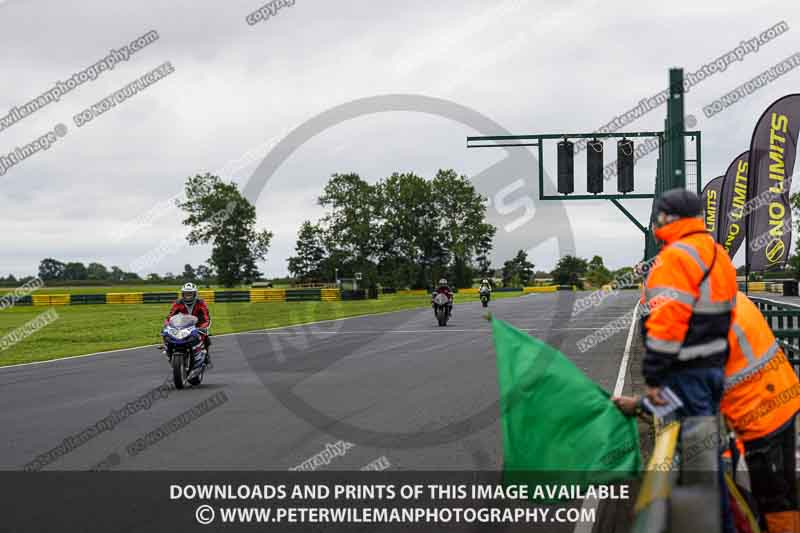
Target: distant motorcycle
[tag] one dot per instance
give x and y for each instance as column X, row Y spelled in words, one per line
column 440, row 308
column 183, row 347
column 485, row 296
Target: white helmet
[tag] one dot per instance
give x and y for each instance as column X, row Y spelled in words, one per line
column 443, row 282
column 485, row 282
column 189, row 292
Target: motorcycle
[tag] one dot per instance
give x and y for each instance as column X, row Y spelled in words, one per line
column 485, row 295
column 184, row 348
column 440, row 308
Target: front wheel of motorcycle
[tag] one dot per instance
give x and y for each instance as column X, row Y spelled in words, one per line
column 178, row 370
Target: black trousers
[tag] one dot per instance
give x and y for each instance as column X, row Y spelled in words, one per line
column 771, row 464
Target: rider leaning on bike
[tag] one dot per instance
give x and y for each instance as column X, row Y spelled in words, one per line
column 190, row 304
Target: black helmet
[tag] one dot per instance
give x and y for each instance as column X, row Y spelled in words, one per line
column 680, row 203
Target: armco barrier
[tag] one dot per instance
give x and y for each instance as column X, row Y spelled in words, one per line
column 124, row 298
column 50, row 299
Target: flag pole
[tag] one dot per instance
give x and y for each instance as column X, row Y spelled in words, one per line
column 747, row 237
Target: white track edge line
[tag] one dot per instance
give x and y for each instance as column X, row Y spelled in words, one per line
column 591, row 503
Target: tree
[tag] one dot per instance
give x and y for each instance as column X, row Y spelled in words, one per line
column 310, row 252
column 483, row 266
column 205, row 275
column 406, row 228
column 75, row 271
column 350, row 225
column 597, row 274
column 569, row 270
column 51, row 269
column 97, row 271
column 155, row 278
column 462, row 214
column 217, row 213
column 402, row 231
column 482, row 262
column 116, row 274
column 189, row 273
column 518, row 272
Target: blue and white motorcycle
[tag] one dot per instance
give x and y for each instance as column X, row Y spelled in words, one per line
column 184, row 348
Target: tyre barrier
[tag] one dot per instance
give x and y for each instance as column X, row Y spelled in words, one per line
column 50, row 299
column 229, row 296
column 330, row 295
column 87, row 299
column 544, row 288
column 163, row 298
column 124, row 298
column 267, row 295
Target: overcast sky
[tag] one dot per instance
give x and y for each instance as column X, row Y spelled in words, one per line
column 238, row 89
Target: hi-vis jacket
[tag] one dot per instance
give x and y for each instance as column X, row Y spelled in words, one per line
column 689, row 298
column 762, row 392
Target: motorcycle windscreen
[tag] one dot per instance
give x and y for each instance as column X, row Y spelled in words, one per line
column 182, row 320
column 440, row 299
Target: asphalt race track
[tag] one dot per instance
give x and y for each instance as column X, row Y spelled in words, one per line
column 393, row 388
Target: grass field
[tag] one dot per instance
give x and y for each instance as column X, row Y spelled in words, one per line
column 82, row 329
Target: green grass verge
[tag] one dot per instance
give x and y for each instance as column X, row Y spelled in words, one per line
column 82, row 329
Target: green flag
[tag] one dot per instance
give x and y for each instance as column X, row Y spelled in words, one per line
column 558, row 425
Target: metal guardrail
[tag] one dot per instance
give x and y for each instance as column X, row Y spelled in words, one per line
column 680, row 489
column 784, row 319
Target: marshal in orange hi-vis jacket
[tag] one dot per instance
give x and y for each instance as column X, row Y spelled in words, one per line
column 762, row 392
column 689, row 300
column 761, row 399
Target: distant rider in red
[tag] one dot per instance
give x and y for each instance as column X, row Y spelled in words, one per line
column 444, row 289
column 190, row 304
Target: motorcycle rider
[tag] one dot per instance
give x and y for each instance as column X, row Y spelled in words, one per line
column 190, row 304
column 443, row 288
column 485, row 287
